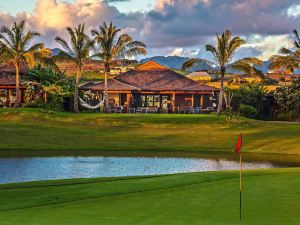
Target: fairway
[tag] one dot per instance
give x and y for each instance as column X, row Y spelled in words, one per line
column 270, row 197
column 30, row 129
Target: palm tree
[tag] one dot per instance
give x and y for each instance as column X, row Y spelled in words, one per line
column 16, row 48
column 111, row 47
column 223, row 52
column 287, row 59
column 78, row 51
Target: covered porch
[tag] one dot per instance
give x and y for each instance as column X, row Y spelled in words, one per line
column 8, row 95
column 156, row 102
column 173, row 102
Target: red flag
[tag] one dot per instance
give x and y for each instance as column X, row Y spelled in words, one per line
column 239, row 145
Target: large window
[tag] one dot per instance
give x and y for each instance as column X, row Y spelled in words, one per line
column 159, row 101
column 165, row 99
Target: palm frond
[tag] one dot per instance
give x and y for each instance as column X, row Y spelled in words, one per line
column 247, row 66
column 35, row 47
column 297, row 40
column 288, row 62
column 286, row 51
column 65, row 45
column 192, row 62
column 109, row 46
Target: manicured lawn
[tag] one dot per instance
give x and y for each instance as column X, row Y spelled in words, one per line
column 29, row 129
column 270, row 197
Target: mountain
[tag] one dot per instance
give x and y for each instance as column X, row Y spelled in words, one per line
column 175, row 62
column 265, row 67
column 55, row 51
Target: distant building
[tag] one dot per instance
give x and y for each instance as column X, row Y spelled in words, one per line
column 199, row 76
column 281, row 77
column 8, row 84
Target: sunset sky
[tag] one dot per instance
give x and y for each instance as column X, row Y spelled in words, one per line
column 168, row 27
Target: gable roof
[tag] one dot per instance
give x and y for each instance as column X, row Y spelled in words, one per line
column 112, row 84
column 151, row 65
column 10, row 69
column 9, row 80
column 150, row 76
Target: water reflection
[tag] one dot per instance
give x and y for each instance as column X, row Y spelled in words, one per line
column 46, row 168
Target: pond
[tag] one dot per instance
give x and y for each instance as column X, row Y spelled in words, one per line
column 22, row 169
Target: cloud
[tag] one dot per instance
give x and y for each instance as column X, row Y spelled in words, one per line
column 173, row 26
column 266, row 46
column 51, row 17
column 186, row 22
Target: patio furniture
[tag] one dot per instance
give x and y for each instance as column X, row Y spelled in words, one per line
column 132, row 110
column 187, row 109
column 138, row 110
column 196, row 110
column 208, row 109
column 164, row 111
column 119, row 109
column 151, row 110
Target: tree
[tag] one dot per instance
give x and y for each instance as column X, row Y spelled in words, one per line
column 228, row 96
column 78, row 51
column 16, row 48
column 252, row 94
column 288, row 100
column 223, row 52
column 46, row 77
column 287, row 59
column 111, row 47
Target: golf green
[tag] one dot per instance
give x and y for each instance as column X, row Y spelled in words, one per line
column 269, row 197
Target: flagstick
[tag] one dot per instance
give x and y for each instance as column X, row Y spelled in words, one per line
column 241, row 168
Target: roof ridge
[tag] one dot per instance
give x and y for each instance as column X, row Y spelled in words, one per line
column 125, row 84
column 159, row 66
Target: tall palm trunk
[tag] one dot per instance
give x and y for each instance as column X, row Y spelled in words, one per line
column 78, row 76
column 105, row 97
column 221, row 96
column 18, row 93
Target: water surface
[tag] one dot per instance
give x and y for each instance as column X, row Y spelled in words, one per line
column 22, row 169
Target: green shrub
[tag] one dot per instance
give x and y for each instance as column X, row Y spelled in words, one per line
column 248, row 111
column 54, row 103
column 287, row 116
column 231, row 115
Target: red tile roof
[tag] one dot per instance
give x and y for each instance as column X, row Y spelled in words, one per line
column 151, row 76
column 113, row 85
column 8, row 80
column 10, row 69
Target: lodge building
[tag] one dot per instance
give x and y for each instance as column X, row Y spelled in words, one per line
column 8, row 84
column 156, row 88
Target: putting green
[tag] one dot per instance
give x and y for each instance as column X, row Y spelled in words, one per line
column 270, row 197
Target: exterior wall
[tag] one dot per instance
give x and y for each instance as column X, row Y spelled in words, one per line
column 184, row 100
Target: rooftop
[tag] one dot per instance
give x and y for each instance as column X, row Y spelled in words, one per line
column 150, row 76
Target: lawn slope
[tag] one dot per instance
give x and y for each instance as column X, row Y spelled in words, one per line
column 27, row 129
column 270, row 197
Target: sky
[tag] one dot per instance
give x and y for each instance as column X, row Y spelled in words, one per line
column 167, row 27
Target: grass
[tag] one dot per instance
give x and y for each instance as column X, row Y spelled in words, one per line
column 30, row 129
column 270, row 197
